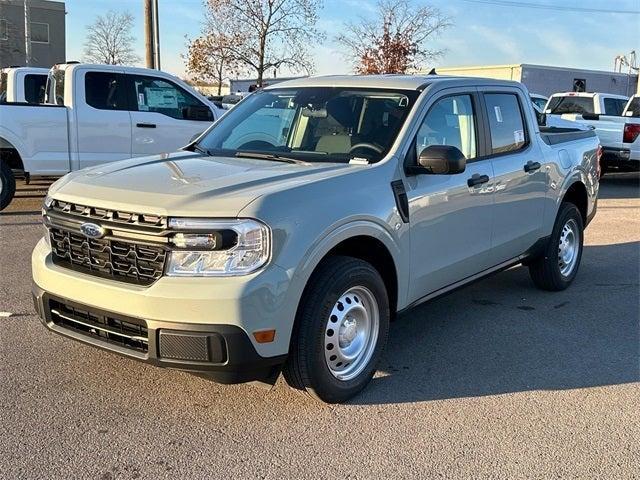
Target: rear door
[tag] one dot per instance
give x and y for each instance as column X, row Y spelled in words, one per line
column 102, row 118
column 450, row 218
column 520, row 172
column 165, row 117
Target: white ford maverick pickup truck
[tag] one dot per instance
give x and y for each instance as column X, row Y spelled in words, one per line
column 288, row 236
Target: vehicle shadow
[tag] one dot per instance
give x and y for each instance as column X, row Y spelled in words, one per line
column 620, row 185
column 502, row 335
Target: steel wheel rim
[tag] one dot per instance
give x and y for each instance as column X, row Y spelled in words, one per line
column 568, row 247
column 351, row 333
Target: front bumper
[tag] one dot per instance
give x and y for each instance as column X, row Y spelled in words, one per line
column 223, row 353
column 224, row 310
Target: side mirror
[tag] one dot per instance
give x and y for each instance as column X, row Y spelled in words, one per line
column 542, row 118
column 198, row 113
column 440, row 160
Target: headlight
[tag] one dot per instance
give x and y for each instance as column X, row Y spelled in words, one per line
column 211, row 248
column 48, row 201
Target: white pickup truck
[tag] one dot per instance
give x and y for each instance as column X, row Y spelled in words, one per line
column 23, row 84
column 618, row 131
column 95, row 114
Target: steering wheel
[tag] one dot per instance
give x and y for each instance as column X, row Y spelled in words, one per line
column 257, row 145
column 371, row 146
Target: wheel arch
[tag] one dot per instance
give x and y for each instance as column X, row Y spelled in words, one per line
column 10, row 150
column 367, row 241
column 576, row 193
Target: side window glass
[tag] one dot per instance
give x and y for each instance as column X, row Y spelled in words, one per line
column 449, row 122
column 34, row 86
column 161, row 96
column 105, row 91
column 505, row 121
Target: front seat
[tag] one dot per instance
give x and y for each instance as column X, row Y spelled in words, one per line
column 339, row 122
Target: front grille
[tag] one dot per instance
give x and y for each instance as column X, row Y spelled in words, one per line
column 143, row 222
column 130, row 333
column 141, row 264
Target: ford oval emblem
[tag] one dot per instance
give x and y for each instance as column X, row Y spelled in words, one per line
column 92, row 230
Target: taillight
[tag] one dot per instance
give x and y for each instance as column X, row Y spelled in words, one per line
column 598, row 158
column 631, row 132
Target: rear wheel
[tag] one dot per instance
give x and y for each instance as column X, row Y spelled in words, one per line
column 341, row 330
column 558, row 266
column 7, row 185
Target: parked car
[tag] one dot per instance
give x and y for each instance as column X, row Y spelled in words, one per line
column 293, row 231
column 95, row 114
column 23, row 84
column 538, row 100
column 618, row 133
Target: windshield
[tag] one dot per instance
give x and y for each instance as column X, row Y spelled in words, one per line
column 633, row 109
column 571, row 104
column 314, row 124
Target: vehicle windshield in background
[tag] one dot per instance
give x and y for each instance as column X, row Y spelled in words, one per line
column 633, row 110
column 314, row 124
column 539, row 102
column 570, row 104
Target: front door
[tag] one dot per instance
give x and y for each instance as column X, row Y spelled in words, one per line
column 164, row 116
column 451, row 216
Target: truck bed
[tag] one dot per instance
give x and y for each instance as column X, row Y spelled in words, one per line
column 555, row 135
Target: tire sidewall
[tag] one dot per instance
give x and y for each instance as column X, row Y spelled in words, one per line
column 322, row 382
column 8, row 185
column 568, row 211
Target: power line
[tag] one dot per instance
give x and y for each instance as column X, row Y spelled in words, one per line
column 511, row 3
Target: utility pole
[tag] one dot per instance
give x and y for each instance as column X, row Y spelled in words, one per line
column 156, row 36
column 27, row 34
column 148, row 35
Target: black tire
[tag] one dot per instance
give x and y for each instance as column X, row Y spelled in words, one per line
column 7, row 185
column 307, row 368
column 546, row 269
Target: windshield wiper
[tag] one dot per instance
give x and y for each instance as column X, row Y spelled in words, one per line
column 270, row 156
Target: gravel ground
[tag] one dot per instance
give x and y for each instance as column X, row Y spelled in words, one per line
column 496, row 380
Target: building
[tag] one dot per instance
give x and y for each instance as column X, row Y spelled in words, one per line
column 245, row 84
column 546, row 80
column 47, row 22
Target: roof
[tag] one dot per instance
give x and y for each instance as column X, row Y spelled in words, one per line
column 399, row 82
column 589, row 94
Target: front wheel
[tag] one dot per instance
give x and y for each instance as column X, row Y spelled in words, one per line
column 558, row 266
column 7, row 185
column 341, row 330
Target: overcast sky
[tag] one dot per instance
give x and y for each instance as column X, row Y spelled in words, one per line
column 484, row 31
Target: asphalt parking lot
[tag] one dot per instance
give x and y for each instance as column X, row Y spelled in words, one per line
column 496, row 380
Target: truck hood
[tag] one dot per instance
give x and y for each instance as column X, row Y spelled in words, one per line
column 185, row 184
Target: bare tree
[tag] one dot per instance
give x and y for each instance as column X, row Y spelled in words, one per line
column 267, row 33
column 210, row 58
column 396, row 40
column 109, row 40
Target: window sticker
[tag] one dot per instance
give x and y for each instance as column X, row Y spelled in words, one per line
column 161, row 97
column 518, row 136
column 498, row 113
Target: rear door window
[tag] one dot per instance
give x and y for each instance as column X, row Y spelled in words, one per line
column 34, row 87
column 506, row 122
column 105, row 91
column 614, row 106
